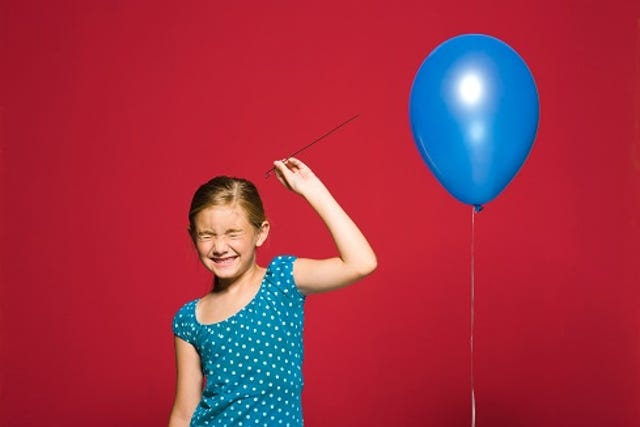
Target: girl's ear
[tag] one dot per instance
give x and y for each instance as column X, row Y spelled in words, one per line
column 263, row 232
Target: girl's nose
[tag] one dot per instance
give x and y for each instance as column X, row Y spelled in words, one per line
column 219, row 247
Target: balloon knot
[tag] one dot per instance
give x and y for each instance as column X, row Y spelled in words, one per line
column 477, row 208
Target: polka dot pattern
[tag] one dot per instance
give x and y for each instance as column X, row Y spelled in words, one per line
column 252, row 361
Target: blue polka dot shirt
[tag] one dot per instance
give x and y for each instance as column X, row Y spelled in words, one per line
column 252, row 361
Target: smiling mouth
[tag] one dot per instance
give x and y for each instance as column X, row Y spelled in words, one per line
column 224, row 261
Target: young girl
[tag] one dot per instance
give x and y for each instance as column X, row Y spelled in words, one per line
column 239, row 348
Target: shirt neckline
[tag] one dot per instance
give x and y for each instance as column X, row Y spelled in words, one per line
column 237, row 313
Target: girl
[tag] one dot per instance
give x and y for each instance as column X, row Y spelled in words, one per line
column 239, row 348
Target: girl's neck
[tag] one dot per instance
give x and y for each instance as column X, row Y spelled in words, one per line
column 248, row 279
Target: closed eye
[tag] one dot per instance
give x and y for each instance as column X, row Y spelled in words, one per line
column 203, row 237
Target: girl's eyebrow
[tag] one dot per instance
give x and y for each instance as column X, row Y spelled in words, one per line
column 229, row 231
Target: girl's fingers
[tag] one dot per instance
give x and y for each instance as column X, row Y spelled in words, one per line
column 287, row 167
column 283, row 173
column 281, row 167
column 292, row 162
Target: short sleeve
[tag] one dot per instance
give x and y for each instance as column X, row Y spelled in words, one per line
column 281, row 275
column 184, row 323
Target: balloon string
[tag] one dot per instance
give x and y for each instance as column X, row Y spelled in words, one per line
column 326, row 134
column 474, row 211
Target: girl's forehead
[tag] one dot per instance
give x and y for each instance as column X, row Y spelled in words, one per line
column 223, row 216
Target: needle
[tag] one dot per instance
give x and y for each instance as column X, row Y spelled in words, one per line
column 266, row 175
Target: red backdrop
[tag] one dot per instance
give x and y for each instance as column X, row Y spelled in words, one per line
column 113, row 112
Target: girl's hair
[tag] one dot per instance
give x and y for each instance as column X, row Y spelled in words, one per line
column 224, row 190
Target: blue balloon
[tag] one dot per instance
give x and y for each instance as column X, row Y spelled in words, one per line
column 474, row 115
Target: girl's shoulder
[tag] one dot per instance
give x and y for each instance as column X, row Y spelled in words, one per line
column 281, row 266
column 184, row 322
column 280, row 275
column 187, row 310
column 281, row 261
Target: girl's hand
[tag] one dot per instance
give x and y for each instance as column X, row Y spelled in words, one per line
column 295, row 175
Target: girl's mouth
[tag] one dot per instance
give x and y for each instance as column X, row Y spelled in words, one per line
column 224, row 261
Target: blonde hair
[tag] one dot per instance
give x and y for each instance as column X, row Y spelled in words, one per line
column 224, row 190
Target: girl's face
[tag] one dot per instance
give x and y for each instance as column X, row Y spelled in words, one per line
column 226, row 241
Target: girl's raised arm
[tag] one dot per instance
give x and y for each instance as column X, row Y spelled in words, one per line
column 355, row 258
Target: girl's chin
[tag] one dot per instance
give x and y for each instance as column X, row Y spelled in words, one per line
column 224, row 269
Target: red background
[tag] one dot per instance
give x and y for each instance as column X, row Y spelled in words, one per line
column 113, row 112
